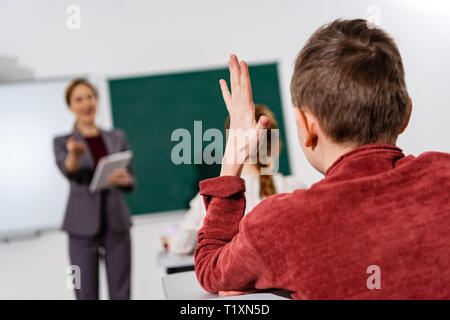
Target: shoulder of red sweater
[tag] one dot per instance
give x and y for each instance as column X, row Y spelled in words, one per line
column 426, row 157
column 435, row 154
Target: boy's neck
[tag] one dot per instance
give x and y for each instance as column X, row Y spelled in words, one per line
column 331, row 152
column 334, row 151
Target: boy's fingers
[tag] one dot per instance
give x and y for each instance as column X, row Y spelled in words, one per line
column 235, row 73
column 263, row 123
column 229, row 293
column 236, row 293
column 245, row 81
column 225, row 93
column 262, row 126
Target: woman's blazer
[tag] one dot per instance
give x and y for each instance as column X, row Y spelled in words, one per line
column 83, row 214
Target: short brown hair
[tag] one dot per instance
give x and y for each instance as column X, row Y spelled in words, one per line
column 351, row 76
column 73, row 84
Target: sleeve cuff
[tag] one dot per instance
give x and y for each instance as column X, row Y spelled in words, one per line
column 224, row 187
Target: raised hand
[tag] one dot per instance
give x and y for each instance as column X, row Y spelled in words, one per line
column 239, row 104
column 244, row 132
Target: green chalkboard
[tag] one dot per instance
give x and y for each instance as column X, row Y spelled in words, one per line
column 150, row 108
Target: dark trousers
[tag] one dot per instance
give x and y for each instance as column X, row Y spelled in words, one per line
column 85, row 253
column 115, row 249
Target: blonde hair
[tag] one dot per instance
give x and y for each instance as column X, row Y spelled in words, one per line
column 266, row 183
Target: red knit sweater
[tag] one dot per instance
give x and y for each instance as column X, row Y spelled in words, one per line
column 374, row 207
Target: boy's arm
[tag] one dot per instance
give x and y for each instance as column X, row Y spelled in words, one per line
column 225, row 257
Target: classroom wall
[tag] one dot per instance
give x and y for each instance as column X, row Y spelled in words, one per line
column 143, row 37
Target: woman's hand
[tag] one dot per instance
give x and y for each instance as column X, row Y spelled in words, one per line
column 120, row 178
column 74, row 151
column 245, row 133
column 75, row 147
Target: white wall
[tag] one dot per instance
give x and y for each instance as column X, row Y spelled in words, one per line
column 143, row 37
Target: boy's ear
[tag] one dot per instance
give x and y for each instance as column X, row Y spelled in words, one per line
column 306, row 122
column 409, row 116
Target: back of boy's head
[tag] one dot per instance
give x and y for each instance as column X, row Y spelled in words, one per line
column 351, row 77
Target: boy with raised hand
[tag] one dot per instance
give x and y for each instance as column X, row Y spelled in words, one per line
column 376, row 227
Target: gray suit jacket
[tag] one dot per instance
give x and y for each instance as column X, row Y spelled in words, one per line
column 83, row 214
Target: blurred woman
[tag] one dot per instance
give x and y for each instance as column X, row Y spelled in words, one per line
column 97, row 224
column 257, row 186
